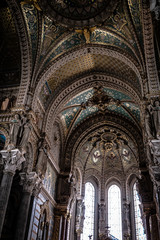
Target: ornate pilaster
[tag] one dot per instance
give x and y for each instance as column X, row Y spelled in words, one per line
column 126, row 220
column 80, row 217
column 13, row 159
column 102, row 218
column 30, row 182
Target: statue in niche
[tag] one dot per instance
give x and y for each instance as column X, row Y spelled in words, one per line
column 153, row 119
column 148, row 123
column 26, row 128
column 42, row 147
column 156, row 117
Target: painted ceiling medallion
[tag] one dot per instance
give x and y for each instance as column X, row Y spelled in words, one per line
column 107, row 137
column 79, row 13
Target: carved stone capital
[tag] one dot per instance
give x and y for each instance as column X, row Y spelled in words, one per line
column 13, row 159
column 29, row 181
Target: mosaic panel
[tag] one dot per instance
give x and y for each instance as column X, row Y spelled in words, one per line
column 119, row 153
column 50, row 180
column 76, row 39
column 30, row 14
column 69, row 114
column 135, row 10
column 94, row 62
column 51, row 32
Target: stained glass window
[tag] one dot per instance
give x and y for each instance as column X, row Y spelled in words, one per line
column 140, row 235
column 88, row 228
column 114, row 212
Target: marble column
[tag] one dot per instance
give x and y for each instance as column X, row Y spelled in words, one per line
column 126, row 220
column 102, row 218
column 57, row 227
column 146, row 218
column 154, row 227
column 13, row 160
column 29, row 181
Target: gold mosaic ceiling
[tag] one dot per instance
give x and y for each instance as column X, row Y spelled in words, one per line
column 93, row 63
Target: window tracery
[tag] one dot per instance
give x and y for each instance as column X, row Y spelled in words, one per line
column 88, row 228
column 114, row 211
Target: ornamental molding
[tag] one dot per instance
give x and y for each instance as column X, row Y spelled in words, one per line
column 152, row 73
column 25, row 50
column 49, row 71
column 78, row 86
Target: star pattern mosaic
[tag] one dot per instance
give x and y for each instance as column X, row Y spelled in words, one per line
column 68, row 115
column 93, row 62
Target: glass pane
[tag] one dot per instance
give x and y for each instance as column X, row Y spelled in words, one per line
column 140, row 235
column 114, row 212
column 88, row 228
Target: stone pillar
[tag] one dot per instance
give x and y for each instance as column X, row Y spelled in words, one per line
column 126, row 220
column 147, row 209
column 29, row 182
column 57, row 226
column 12, row 160
column 148, row 232
column 80, row 213
column 102, row 218
column 154, row 227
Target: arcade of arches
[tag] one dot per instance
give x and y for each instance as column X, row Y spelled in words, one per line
column 79, row 119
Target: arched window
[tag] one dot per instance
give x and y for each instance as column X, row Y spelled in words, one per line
column 140, row 235
column 89, row 200
column 114, row 211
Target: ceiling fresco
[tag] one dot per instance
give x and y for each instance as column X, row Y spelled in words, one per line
column 10, row 56
column 68, row 116
column 89, row 63
column 109, row 149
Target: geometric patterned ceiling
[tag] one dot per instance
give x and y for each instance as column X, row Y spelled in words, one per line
column 86, row 64
column 69, row 115
column 93, row 62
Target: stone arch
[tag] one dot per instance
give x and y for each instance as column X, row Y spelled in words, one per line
column 25, row 50
column 81, row 85
column 81, row 52
column 100, row 120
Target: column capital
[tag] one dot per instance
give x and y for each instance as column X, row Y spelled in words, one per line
column 13, row 159
column 29, row 181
